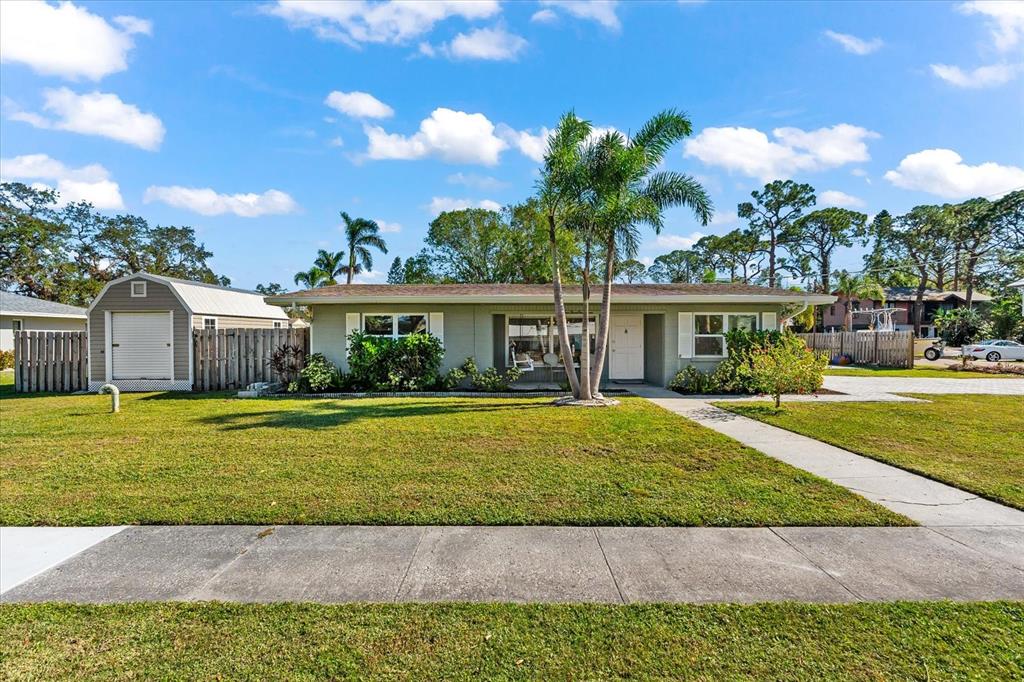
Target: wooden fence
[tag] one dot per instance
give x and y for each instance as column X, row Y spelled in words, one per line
column 50, row 361
column 234, row 358
column 885, row 349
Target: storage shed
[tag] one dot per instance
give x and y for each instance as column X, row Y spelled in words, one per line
column 140, row 328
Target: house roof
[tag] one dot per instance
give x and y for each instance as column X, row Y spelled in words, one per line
column 212, row 299
column 910, row 294
column 1019, row 283
column 16, row 304
column 534, row 293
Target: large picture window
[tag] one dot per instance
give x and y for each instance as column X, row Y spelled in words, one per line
column 395, row 325
column 709, row 331
column 533, row 340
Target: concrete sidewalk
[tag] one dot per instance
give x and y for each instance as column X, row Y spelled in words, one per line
column 537, row 564
column 924, row 500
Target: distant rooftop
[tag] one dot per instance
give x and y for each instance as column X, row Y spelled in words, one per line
column 16, row 304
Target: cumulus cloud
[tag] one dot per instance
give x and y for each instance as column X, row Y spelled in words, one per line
column 90, row 183
column 942, row 172
column 676, row 241
column 1005, row 20
column 482, row 182
column 724, row 217
column 452, row 136
column 439, row 205
column 97, row 113
column 534, row 145
column 358, row 104
column 853, row 44
column 206, row 201
column 989, row 76
column 386, row 227
column 355, row 23
column 66, row 40
column 601, row 11
column 544, row 16
column 493, row 44
column 750, row 152
column 833, row 197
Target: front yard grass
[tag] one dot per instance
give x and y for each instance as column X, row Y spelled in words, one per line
column 973, row 442
column 894, row 641
column 184, row 459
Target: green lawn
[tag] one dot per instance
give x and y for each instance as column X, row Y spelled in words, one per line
column 971, row 441
column 896, row 641
column 916, row 373
column 184, row 459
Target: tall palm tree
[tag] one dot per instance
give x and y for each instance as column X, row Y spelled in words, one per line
column 849, row 287
column 311, row 279
column 634, row 193
column 332, row 264
column 360, row 235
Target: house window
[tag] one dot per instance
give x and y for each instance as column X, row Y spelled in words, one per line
column 709, row 331
column 832, row 310
column 138, row 290
column 15, row 326
column 395, row 326
column 277, row 325
column 533, row 340
column 209, row 323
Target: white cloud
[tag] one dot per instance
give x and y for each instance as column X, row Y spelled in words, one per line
column 942, row 172
column 97, row 113
column 675, row 241
column 206, row 201
column 482, row 182
column 601, row 11
column 859, row 172
column 493, row 44
column 855, row 45
column 452, row 136
column 354, row 23
column 982, row 77
column 833, row 197
column 724, row 217
column 439, row 205
column 531, row 145
column 1005, row 19
column 65, row 40
column 369, row 277
column 388, row 228
column 358, row 104
column 544, row 16
column 336, row 141
column 90, row 183
column 750, row 152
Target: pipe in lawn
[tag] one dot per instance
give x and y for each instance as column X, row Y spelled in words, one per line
column 115, row 396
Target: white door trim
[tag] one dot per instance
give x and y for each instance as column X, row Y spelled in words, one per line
column 638, row 318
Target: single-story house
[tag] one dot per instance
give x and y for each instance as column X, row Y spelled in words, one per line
column 24, row 313
column 903, row 299
column 656, row 329
column 140, row 328
column 1019, row 285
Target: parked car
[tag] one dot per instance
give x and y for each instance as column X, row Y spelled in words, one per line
column 995, row 350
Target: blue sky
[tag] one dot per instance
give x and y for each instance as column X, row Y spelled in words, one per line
column 221, row 115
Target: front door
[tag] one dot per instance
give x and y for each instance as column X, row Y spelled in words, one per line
column 627, row 347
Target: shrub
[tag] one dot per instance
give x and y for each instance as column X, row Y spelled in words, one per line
column 409, row 363
column 692, row 380
column 490, row 380
column 319, row 374
column 6, row 359
column 287, row 361
column 958, row 326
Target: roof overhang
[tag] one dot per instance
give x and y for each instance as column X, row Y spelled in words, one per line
column 512, row 299
column 26, row 313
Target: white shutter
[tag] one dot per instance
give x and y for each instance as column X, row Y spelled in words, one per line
column 437, row 326
column 351, row 325
column 770, row 321
column 686, row 335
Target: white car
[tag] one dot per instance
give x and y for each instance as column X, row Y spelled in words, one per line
column 995, row 350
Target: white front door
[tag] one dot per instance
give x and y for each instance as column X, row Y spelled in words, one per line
column 140, row 345
column 627, row 347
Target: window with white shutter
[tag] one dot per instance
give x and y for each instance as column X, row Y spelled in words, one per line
column 686, row 335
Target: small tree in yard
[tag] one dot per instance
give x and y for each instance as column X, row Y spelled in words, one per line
column 777, row 369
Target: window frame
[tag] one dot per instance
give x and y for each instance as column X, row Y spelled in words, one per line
column 725, row 330
column 131, row 288
column 277, row 324
column 17, row 321
column 568, row 318
column 394, row 323
column 216, row 324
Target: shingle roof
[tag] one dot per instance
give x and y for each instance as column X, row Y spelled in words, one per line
column 16, row 304
column 499, row 292
column 910, row 294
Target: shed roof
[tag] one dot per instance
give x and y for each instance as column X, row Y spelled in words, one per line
column 213, row 299
column 16, row 304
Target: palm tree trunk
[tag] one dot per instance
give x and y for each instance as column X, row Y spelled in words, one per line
column 604, row 322
column 563, row 331
column 351, row 265
column 585, row 390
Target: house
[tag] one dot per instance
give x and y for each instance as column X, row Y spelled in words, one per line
column 1019, row 285
column 656, row 329
column 902, row 299
column 140, row 328
column 18, row 313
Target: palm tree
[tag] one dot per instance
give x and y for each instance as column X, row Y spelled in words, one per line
column 849, row 287
column 331, row 264
column 360, row 235
column 311, row 279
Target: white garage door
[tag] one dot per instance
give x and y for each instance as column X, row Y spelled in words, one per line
column 140, row 345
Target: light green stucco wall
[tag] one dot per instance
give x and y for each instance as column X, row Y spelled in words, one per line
column 468, row 328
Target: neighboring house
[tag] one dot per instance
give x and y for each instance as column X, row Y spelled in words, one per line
column 18, row 313
column 656, row 329
column 901, row 298
column 1020, row 285
column 150, row 319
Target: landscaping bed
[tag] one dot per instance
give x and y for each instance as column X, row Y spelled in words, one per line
column 895, row 641
column 213, row 459
column 972, row 442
